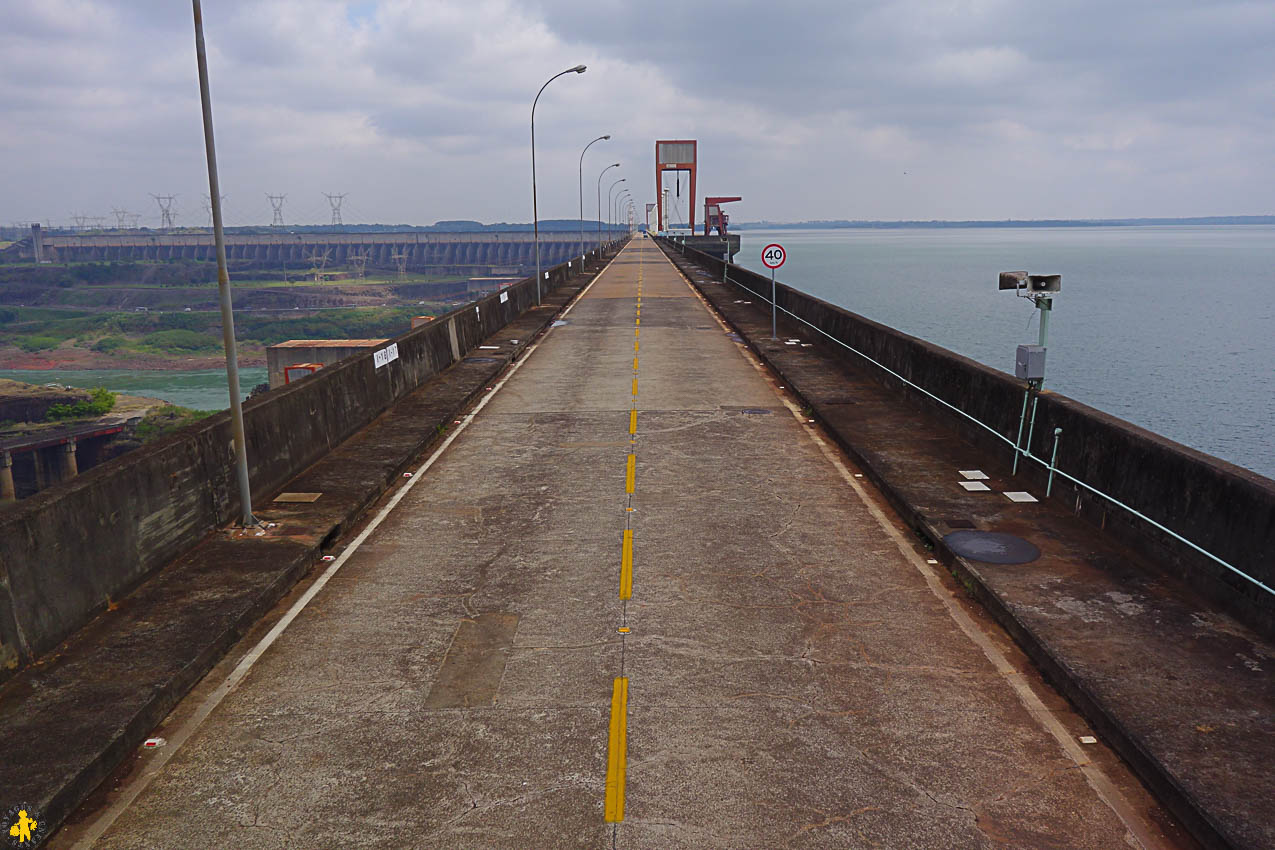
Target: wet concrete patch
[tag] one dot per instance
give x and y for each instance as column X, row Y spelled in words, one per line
column 992, row 547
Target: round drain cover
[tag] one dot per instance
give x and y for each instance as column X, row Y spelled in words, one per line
column 992, row 547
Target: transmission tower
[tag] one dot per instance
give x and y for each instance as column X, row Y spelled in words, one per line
column 401, row 259
column 276, row 203
column 335, row 202
column 80, row 221
column 165, row 209
column 208, row 207
column 318, row 262
column 121, row 217
column 98, row 221
column 133, row 219
column 359, row 261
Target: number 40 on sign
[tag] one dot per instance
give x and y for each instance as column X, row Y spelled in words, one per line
column 772, row 257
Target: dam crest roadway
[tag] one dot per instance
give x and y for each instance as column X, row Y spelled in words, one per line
column 635, row 600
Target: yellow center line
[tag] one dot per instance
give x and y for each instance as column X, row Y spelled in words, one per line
column 626, row 565
column 635, row 386
column 635, row 345
column 630, row 473
column 634, row 364
column 617, row 747
column 633, row 421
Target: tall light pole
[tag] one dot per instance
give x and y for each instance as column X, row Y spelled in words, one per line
column 604, row 171
column 223, row 280
column 615, row 207
column 582, row 153
column 609, row 199
column 535, row 209
column 619, row 201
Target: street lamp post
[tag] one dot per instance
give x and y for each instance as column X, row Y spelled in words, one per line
column 239, row 438
column 604, row 171
column 609, row 200
column 615, row 207
column 535, row 210
column 582, row 153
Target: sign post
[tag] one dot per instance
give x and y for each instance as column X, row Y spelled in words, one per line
column 772, row 257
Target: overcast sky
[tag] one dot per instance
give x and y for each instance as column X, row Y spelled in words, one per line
column 862, row 109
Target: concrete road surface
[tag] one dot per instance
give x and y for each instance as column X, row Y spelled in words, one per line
column 787, row 671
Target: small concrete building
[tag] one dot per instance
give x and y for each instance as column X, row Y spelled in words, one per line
column 323, row 351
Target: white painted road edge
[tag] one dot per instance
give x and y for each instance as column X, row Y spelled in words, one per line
column 183, row 733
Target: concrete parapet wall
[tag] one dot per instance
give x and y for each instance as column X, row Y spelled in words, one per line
column 68, row 551
column 1225, row 509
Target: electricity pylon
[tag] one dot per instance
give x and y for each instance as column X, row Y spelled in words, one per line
column 165, row 209
column 335, row 202
column 276, row 203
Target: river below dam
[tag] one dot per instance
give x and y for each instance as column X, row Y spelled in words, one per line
column 1169, row 327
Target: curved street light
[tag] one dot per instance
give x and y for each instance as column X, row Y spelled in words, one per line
column 535, row 210
column 604, row 171
column 615, row 206
column 582, row 153
column 609, row 202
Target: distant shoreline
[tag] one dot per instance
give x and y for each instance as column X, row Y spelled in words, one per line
column 842, row 224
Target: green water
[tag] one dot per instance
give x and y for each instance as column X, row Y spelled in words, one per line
column 198, row 389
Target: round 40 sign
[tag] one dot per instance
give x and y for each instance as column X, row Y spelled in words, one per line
column 773, row 255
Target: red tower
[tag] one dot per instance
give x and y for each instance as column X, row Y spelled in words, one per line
column 674, row 155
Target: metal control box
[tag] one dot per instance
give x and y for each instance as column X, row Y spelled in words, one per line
column 1029, row 365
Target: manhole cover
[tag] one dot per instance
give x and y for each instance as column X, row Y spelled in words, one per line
column 992, row 547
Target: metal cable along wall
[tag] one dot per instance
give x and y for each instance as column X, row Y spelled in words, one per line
column 1021, row 451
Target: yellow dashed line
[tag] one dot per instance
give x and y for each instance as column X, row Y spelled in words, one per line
column 630, row 473
column 617, row 750
column 626, row 565
column 632, row 421
column 635, row 386
column 634, row 364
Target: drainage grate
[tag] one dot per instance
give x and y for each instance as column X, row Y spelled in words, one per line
column 482, row 360
column 992, row 547
column 758, row 411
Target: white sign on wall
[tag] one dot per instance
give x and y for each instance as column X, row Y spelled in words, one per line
column 386, row 355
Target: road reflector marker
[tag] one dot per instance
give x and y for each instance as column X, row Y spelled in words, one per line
column 617, row 746
column 624, row 630
column 626, row 565
column 630, row 474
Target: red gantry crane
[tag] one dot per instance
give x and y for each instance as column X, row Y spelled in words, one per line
column 714, row 216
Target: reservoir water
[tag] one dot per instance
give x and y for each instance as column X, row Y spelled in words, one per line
column 199, row 389
column 1168, row 327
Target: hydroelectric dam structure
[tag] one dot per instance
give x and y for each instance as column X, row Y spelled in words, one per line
column 488, row 252
column 607, row 560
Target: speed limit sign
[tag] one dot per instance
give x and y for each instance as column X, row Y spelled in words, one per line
column 773, row 255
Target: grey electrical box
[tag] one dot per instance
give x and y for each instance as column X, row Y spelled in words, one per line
column 1030, row 363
